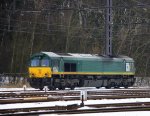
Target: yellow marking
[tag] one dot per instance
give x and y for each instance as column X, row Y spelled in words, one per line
column 35, row 98
column 94, row 73
column 40, row 72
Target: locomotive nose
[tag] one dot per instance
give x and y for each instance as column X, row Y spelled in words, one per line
column 40, row 72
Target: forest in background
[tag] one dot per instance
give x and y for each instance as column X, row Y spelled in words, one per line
column 75, row 26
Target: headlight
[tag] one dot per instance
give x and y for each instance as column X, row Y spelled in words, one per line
column 32, row 74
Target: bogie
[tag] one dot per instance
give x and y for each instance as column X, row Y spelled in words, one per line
column 61, row 84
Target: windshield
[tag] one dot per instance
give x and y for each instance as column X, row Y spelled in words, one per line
column 44, row 62
column 35, row 62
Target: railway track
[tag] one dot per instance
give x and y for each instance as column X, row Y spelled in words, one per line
column 75, row 109
column 62, row 98
column 92, row 94
column 11, row 97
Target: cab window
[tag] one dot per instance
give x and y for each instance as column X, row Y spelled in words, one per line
column 44, row 62
column 35, row 62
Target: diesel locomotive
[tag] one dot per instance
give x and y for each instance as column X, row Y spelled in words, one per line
column 70, row 70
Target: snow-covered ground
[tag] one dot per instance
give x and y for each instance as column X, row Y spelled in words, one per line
column 141, row 113
column 65, row 103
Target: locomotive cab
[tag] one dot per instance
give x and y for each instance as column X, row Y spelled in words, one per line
column 40, row 66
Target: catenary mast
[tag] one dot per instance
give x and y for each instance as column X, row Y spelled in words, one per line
column 108, row 27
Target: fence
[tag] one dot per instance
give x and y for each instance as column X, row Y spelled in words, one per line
column 13, row 79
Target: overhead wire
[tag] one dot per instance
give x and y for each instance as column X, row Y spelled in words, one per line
column 64, row 26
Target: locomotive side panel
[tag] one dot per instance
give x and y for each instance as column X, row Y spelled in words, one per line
column 92, row 65
column 111, row 66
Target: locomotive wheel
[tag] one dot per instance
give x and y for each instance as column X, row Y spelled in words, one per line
column 108, row 87
column 72, row 87
column 61, row 88
column 116, row 87
column 41, row 88
column 51, row 88
column 126, row 87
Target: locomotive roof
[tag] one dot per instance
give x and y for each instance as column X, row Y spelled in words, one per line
column 78, row 55
column 52, row 54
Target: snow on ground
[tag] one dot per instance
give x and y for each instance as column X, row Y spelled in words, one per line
column 65, row 103
column 138, row 113
column 15, row 89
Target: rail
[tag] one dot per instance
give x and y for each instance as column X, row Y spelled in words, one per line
column 75, row 109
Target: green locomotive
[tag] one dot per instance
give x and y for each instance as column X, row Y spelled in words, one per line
column 68, row 70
